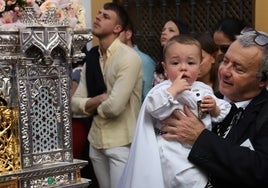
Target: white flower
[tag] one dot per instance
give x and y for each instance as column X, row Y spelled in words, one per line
column 67, row 11
column 48, row 4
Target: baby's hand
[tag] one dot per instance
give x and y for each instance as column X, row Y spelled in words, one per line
column 208, row 104
column 179, row 85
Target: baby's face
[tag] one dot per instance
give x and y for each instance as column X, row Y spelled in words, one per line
column 182, row 58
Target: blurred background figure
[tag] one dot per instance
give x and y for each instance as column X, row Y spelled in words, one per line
column 209, row 64
column 225, row 33
column 76, row 70
column 171, row 28
column 148, row 64
column 80, row 128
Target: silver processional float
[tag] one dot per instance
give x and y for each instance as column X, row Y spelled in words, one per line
column 35, row 113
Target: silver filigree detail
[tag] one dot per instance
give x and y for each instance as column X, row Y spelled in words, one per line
column 35, row 77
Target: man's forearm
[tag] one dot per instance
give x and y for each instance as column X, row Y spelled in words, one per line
column 93, row 103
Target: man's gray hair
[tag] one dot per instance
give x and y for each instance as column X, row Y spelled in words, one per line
column 249, row 38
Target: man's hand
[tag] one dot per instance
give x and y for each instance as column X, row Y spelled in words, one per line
column 93, row 103
column 184, row 128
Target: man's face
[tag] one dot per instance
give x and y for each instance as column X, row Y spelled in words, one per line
column 105, row 23
column 237, row 72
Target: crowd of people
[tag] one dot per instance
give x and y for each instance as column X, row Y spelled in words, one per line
column 195, row 119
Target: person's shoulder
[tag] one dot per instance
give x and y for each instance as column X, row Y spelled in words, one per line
column 147, row 62
column 160, row 86
column 146, row 58
column 123, row 48
column 262, row 98
column 143, row 54
column 93, row 49
column 136, row 48
column 77, row 69
column 128, row 52
column 262, row 101
column 76, row 75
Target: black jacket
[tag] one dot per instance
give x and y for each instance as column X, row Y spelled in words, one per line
column 225, row 161
column 95, row 82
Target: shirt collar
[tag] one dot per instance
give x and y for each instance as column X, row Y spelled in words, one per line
column 112, row 48
column 242, row 104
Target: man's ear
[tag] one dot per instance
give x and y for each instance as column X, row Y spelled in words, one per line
column 129, row 34
column 263, row 84
column 263, row 77
column 118, row 28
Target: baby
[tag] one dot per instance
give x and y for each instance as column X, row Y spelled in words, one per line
column 154, row 161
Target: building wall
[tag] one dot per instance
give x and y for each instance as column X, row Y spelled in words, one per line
column 87, row 6
column 261, row 14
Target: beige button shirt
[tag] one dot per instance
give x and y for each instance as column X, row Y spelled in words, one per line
column 115, row 122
